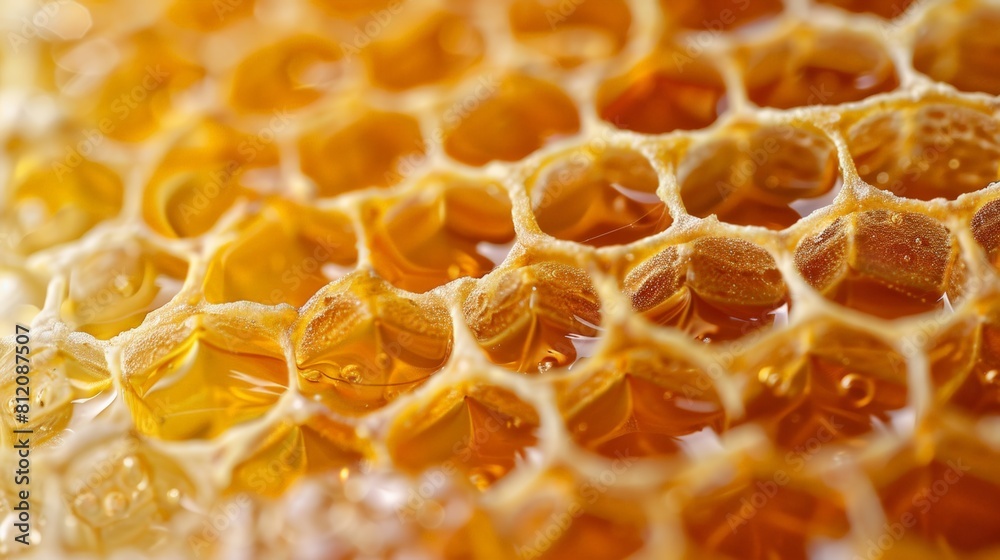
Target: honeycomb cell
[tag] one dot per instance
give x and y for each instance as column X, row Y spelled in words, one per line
column 203, row 174
column 68, row 389
column 359, row 344
column 942, row 500
column 643, row 402
column 376, row 150
column 965, row 363
column 598, row 197
column 813, row 67
column 139, row 95
column 960, row 48
column 719, row 15
column 927, row 151
column 986, row 230
column 287, row 75
column 209, row 382
column 571, row 33
column 121, row 495
column 452, row 227
column 291, row 451
column 887, row 9
column 657, row 96
column 884, row 263
column 506, row 119
column 715, row 289
column 768, row 176
column 827, row 383
column 55, row 204
column 536, row 317
column 283, row 254
column 438, row 49
column 112, row 290
column 480, row 433
column 208, row 17
column 751, row 517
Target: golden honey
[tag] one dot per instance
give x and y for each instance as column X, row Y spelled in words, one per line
column 555, row 279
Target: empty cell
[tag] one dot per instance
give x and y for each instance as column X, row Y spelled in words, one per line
column 769, row 176
column 816, row 67
column 452, row 227
column 598, row 197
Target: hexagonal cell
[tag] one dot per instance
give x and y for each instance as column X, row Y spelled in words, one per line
column 439, row 48
column 283, row 254
column 927, row 151
column 372, row 151
column 748, row 516
column 57, row 203
column 68, row 389
column 721, row 15
column 937, row 499
column 825, row 383
column 884, row 263
column 479, row 432
column 645, row 401
column 536, row 317
column 715, row 289
column 986, row 229
column 816, row 67
column 112, row 290
column 178, row 394
column 571, row 33
column 205, row 171
column 451, row 227
column 768, row 176
column 290, row 451
column 956, row 44
column 658, row 96
column 286, row 75
column 599, row 198
column 887, row 9
column 139, row 94
column 507, row 119
column 121, row 495
column 359, row 344
column 965, row 363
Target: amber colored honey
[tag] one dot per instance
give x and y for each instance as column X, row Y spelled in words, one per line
column 557, row 279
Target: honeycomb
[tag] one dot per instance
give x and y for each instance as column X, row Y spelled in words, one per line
column 344, row 279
